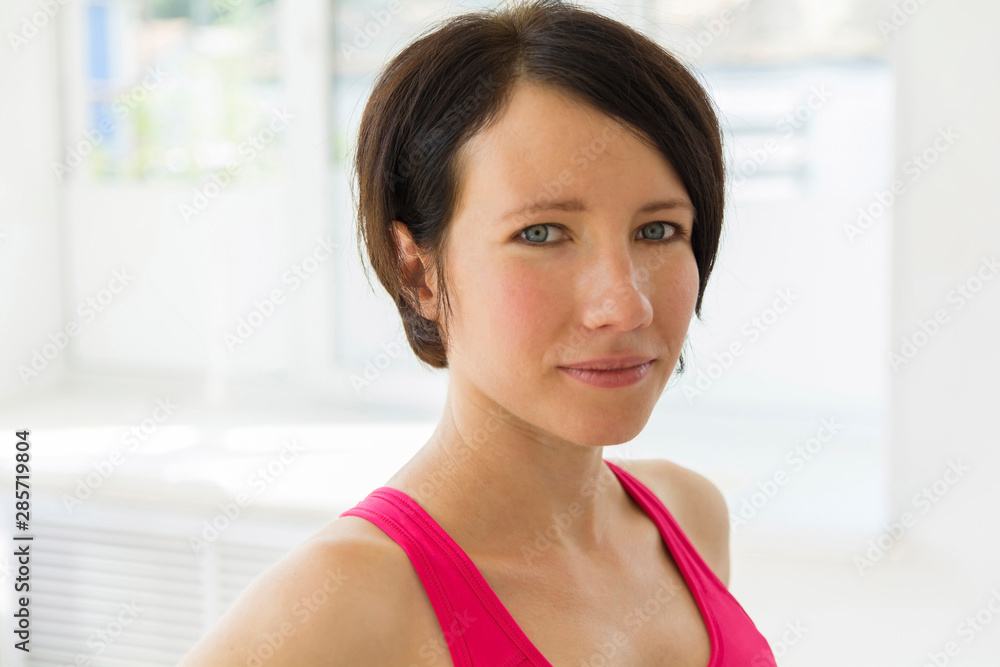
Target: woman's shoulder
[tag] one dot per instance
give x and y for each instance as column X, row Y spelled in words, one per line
column 695, row 502
column 340, row 597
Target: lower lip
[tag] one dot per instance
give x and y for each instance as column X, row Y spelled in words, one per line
column 622, row 377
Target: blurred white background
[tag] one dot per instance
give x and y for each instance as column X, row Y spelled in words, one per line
column 174, row 336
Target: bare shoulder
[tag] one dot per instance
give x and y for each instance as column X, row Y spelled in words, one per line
column 340, row 597
column 695, row 502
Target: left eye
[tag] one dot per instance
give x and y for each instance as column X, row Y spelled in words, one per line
column 659, row 230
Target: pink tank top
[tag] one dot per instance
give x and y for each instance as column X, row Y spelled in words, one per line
column 478, row 629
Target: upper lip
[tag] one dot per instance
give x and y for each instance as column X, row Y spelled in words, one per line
column 610, row 363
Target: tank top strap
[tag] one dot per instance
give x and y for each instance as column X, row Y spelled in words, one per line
column 477, row 629
column 700, row 578
column 734, row 636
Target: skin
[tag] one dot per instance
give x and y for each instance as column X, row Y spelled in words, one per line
column 606, row 281
column 523, row 310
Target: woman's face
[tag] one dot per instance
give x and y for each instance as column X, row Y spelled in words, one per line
column 541, row 289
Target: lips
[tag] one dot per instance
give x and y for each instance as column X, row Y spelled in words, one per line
column 630, row 371
column 608, row 364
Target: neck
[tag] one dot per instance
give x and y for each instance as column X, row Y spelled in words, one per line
column 502, row 488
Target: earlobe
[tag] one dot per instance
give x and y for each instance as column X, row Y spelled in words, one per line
column 414, row 265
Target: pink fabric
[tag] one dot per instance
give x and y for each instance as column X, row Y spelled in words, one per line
column 479, row 630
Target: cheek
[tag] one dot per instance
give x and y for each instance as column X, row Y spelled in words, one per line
column 507, row 308
column 691, row 278
column 523, row 305
column 677, row 290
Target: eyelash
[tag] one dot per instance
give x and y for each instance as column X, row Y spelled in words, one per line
column 678, row 233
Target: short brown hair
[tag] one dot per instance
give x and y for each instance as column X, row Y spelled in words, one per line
column 453, row 81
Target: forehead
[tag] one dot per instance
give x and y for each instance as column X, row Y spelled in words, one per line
column 550, row 145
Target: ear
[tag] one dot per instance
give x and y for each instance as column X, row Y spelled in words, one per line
column 415, row 270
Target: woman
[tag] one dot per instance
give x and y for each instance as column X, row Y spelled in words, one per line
column 541, row 192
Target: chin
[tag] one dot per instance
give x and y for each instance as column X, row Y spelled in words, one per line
column 592, row 433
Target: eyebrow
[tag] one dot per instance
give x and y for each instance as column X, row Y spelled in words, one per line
column 576, row 205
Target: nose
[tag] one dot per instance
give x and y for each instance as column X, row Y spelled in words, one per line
column 616, row 292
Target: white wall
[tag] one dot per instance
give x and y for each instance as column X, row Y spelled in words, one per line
column 944, row 401
column 31, row 277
